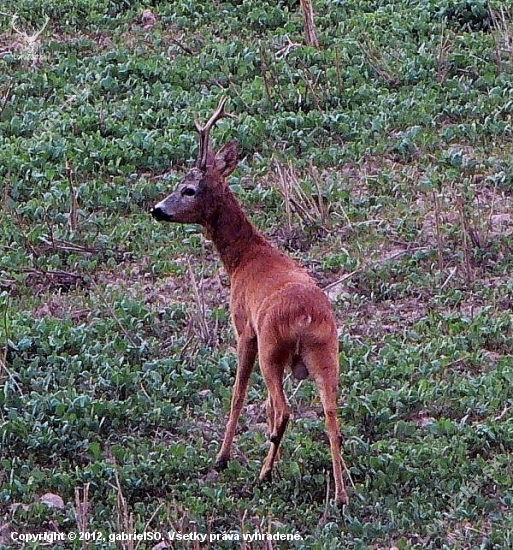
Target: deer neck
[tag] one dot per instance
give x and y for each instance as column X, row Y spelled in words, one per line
column 231, row 231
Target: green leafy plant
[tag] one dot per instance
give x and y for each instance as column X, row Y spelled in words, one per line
column 116, row 351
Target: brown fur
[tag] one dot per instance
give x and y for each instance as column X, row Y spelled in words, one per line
column 278, row 311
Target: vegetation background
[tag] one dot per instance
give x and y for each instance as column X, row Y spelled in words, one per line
column 382, row 160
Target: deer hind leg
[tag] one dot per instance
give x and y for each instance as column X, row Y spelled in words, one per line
column 246, row 352
column 324, row 370
column 278, row 410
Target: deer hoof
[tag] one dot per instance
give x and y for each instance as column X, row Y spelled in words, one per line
column 341, row 499
column 222, row 462
column 265, row 476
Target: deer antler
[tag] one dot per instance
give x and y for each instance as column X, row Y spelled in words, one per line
column 204, row 131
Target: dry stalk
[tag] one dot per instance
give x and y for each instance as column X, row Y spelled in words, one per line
column 285, row 50
column 296, row 199
column 6, row 98
column 489, row 225
column 284, row 190
column 178, row 520
column 507, row 410
column 269, row 544
column 101, row 121
column 243, row 528
column 444, row 48
column 277, row 80
column 467, row 249
column 171, row 523
column 311, row 82
column 58, row 244
column 265, row 72
column 502, row 35
column 268, row 69
column 370, row 265
column 310, row 29
column 54, row 278
column 3, row 365
column 206, row 334
column 6, row 195
column 28, row 245
column 82, row 512
column 73, row 212
column 193, row 526
column 3, row 354
column 473, row 232
column 182, row 46
column 124, row 517
column 349, row 477
column 378, row 63
column 314, row 174
column 326, row 501
column 191, row 339
column 339, row 71
column 298, row 387
column 439, row 241
column 452, row 272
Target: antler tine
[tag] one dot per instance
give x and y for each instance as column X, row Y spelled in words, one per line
column 218, row 114
column 204, row 131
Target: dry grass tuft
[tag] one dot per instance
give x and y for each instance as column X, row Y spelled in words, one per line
column 312, row 210
column 503, row 37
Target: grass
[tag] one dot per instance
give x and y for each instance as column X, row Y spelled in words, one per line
column 395, row 144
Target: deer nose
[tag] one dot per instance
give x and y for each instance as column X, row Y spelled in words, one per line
column 158, row 213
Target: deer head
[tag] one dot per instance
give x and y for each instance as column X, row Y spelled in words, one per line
column 195, row 197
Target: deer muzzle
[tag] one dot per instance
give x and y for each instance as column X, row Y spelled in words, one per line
column 160, row 214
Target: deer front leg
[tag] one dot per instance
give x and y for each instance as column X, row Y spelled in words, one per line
column 246, row 352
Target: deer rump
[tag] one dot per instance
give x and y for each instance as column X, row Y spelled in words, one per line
column 293, row 319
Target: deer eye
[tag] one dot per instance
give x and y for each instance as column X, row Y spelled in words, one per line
column 189, row 192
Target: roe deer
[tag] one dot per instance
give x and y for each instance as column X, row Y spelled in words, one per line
column 278, row 311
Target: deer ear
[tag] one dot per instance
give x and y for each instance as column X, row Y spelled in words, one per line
column 227, row 158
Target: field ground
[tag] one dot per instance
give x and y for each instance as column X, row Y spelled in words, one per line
column 382, row 161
